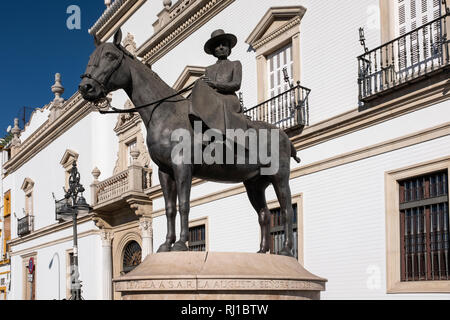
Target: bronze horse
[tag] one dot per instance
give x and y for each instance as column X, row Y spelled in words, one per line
column 110, row 68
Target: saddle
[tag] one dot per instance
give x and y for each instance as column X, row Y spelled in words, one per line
column 217, row 111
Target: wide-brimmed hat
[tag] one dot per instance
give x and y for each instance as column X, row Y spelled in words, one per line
column 217, row 36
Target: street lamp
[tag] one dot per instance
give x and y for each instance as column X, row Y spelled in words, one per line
column 68, row 208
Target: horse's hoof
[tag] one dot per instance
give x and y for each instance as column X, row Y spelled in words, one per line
column 286, row 252
column 164, row 248
column 262, row 251
column 180, row 246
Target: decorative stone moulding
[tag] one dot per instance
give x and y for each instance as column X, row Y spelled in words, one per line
column 219, row 276
column 72, row 111
column 114, row 16
column 176, row 24
column 275, row 22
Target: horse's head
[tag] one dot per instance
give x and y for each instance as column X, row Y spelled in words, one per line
column 106, row 70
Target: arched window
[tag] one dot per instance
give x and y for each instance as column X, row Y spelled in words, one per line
column 132, row 256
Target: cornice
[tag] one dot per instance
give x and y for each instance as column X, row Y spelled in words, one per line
column 49, row 230
column 356, row 120
column 325, row 164
column 182, row 25
column 289, row 25
column 114, row 17
column 73, row 110
column 293, row 16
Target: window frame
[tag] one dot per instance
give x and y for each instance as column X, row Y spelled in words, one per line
column 298, row 200
column 279, row 27
column 388, row 20
column 393, row 241
column 197, row 223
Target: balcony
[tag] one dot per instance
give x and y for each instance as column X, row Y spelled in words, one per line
column 288, row 110
column 419, row 54
column 115, row 192
column 25, row 225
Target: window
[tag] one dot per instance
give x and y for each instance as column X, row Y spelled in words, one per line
column 411, row 14
column 424, row 228
column 29, row 284
column 277, row 231
column 25, row 224
column 197, row 238
column 277, row 234
column 198, row 235
column 132, row 256
column 417, row 228
column 276, row 63
column 6, row 223
column 418, row 47
column 130, row 146
column 66, row 162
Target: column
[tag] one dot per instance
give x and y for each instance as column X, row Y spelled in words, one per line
column 107, row 264
column 145, row 224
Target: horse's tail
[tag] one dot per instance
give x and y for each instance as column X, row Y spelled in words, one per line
column 294, row 153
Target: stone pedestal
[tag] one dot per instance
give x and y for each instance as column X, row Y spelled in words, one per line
column 219, row 276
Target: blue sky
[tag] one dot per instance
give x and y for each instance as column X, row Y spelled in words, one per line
column 35, row 45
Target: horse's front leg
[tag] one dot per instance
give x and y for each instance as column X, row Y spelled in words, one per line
column 169, row 189
column 183, row 179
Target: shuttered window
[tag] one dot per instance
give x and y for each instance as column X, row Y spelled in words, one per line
column 276, row 62
column 197, row 238
column 277, row 231
column 424, row 227
column 7, row 221
column 412, row 14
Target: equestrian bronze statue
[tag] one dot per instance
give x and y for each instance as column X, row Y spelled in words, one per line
column 165, row 112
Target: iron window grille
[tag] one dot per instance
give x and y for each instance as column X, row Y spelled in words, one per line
column 132, row 256
column 424, row 227
column 277, row 231
column 197, row 238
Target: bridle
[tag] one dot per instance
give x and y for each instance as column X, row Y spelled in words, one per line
column 104, row 82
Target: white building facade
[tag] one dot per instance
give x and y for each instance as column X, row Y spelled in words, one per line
column 371, row 193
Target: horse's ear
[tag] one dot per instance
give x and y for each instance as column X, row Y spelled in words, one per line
column 97, row 42
column 118, row 37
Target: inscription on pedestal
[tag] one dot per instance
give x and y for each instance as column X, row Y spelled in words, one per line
column 216, row 284
column 156, row 285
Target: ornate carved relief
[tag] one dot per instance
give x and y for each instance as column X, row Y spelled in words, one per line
column 106, row 236
column 141, row 208
column 176, row 23
column 275, row 22
column 146, row 227
column 130, row 44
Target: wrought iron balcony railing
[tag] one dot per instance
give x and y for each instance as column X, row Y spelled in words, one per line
column 286, row 110
column 25, row 225
column 416, row 54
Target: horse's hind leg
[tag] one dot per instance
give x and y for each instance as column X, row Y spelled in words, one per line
column 169, row 189
column 256, row 193
column 281, row 185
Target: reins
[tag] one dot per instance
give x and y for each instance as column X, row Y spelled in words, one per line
column 158, row 103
